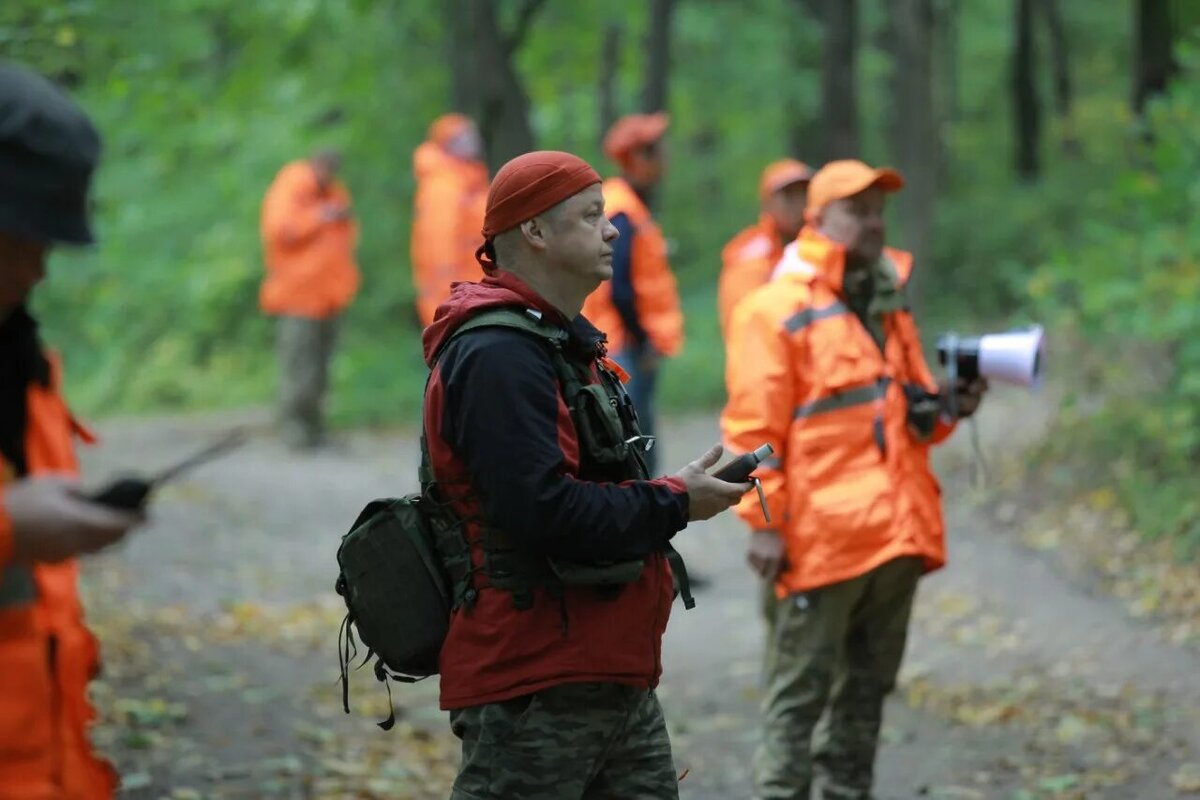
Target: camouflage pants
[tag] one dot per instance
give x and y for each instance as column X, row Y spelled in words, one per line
column 576, row 741
column 305, row 348
column 833, row 659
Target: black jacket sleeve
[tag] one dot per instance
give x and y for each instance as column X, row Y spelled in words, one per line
column 501, row 419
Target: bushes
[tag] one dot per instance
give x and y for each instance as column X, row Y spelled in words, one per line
column 1130, row 275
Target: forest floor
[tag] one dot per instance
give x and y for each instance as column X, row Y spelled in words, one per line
column 1038, row 667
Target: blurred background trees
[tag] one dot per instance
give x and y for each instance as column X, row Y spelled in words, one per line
column 1050, row 147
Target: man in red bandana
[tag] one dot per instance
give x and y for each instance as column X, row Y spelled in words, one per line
column 554, row 647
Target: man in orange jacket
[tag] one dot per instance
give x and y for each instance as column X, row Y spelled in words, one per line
column 48, row 150
column 309, row 236
column 825, row 364
column 452, row 185
column 749, row 258
column 639, row 308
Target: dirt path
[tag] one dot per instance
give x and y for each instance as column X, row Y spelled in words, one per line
column 219, row 625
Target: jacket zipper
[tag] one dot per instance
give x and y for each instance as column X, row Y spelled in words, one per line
column 878, row 431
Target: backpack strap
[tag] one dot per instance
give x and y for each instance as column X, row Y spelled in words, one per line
column 527, row 320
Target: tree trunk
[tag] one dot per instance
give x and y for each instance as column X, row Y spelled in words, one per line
column 1154, row 56
column 610, row 65
column 947, row 26
column 839, row 94
column 1026, row 104
column 486, row 85
column 913, row 124
column 658, row 56
column 806, row 131
column 947, row 100
column 1060, row 63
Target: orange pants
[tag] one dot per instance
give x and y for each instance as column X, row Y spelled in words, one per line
column 45, row 752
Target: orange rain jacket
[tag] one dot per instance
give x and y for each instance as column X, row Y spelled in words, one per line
column 656, row 298
column 447, row 220
column 747, row 262
column 47, row 655
column 310, row 262
column 849, row 486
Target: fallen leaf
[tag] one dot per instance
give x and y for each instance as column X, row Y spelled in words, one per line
column 1186, row 779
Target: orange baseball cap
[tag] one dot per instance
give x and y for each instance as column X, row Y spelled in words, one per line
column 841, row 179
column 779, row 174
column 633, row 131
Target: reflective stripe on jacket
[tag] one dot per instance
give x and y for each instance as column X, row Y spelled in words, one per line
column 656, row 297
column 849, row 487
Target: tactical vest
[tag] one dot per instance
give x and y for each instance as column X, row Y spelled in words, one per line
column 607, row 426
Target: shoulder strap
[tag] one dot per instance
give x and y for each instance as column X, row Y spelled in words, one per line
column 508, row 317
column 526, row 320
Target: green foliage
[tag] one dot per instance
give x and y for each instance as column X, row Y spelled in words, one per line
column 202, row 101
column 1131, row 273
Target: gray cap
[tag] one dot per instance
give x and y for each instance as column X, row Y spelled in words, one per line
column 48, row 151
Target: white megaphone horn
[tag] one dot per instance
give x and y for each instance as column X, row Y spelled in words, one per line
column 1016, row 356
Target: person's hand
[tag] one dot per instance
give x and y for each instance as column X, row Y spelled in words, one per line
column 968, row 396
column 766, row 554
column 51, row 521
column 708, row 496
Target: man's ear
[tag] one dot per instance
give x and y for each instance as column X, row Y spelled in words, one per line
column 534, row 231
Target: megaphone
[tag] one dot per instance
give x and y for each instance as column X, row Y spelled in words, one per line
column 1014, row 356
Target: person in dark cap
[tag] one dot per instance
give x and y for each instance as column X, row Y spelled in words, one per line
column 565, row 579
column 48, row 150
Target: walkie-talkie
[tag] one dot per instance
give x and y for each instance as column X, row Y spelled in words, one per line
column 130, row 493
column 738, row 471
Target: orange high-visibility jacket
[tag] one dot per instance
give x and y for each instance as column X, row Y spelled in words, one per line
column 447, row 220
column 747, row 262
column 311, row 270
column 656, row 298
column 47, row 655
column 849, row 486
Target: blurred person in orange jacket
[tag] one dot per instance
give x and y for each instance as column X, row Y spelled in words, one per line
column 452, row 185
column 749, row 258
column 309, row 236
column 825, row 364
column 48, row 151
column 639, row 308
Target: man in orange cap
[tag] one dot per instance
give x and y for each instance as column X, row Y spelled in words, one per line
column 825, row 364
column 639, row 308
column 309, row 236
column 565, row 579
column 452, row 185
column 749, row 258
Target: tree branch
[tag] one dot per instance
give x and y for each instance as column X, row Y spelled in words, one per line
column 529, row 10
